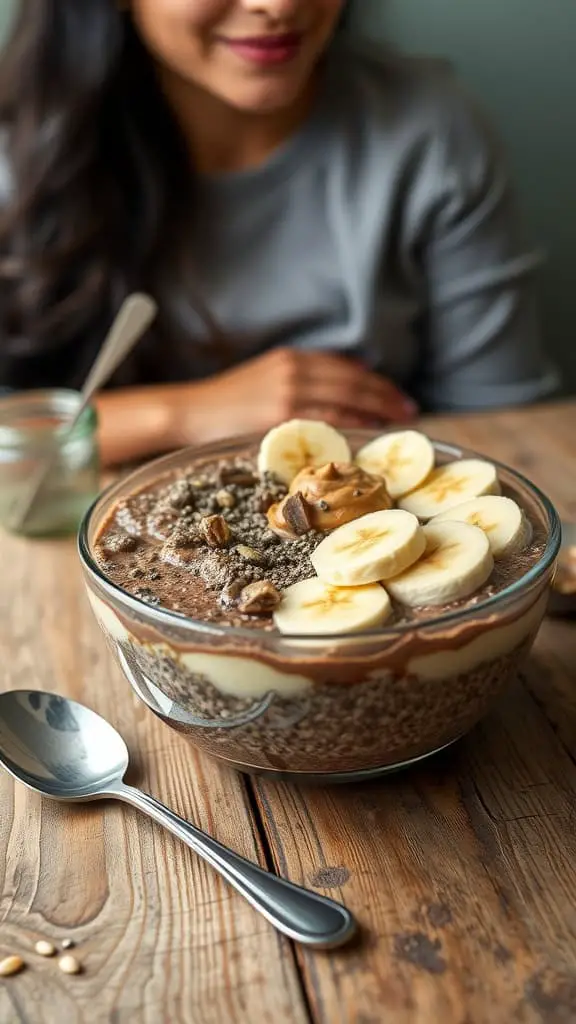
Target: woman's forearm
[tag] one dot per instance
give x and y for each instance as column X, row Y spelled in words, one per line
column 138, row 422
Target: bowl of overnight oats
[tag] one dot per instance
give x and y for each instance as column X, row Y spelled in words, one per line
column 317, row 604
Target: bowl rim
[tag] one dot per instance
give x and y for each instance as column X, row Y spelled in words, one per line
column 164, row 616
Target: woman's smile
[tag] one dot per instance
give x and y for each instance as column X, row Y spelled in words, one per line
column 266, row 50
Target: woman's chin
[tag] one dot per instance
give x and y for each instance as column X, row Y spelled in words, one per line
column 270, row 93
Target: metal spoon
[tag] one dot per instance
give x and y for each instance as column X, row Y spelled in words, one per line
column 65, row 751
column 133, row 319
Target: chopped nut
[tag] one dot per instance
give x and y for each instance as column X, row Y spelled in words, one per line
column 67, row 943
column 264, row 501
column 231, row 593
column 215, row 531
column 259, row 598
column 225, row 500
column 249, row 554
column 11, row 965
column 296, row 512
column 44, row 948
column 236, row 475
column 69, row 965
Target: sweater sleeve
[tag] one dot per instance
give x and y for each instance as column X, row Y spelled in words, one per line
column 480, row 333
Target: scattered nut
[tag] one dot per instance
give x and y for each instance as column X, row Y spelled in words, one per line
column 11, row 965
column 249, row 554
column 67, row 944
column 225, row 499
column 215, row 531
column 69, row 964
column 296, row 512
column 260, row 598
column 44, row 948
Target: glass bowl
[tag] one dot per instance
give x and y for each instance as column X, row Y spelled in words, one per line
column 322, row 708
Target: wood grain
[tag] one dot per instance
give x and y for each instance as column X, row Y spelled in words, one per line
column 463, row 872
column 161, row 937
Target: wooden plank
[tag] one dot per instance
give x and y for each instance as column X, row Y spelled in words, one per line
column 551, row 678
column 161, row 937
column 463, row 875
column 463, row 872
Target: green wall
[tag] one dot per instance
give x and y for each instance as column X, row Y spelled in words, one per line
column 520, row 58
column 6, row 12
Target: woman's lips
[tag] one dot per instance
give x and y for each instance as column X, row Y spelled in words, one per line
column 265, row 50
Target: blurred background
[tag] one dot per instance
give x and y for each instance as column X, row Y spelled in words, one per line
column 518, row 56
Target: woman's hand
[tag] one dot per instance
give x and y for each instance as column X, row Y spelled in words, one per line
column 287, row 383
column 280, row 385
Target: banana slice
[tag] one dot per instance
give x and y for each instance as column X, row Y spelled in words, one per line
column 405, row 459
column 287, row 449
column 505, row 524
column 313, row 607
column 451, row 485
column 374, row 547
column 457, row 561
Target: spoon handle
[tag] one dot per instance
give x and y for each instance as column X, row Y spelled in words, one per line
column 304, row 916
column 134, row 317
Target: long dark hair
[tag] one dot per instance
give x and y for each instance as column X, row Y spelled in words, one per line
column 101, row 183
column 100, row 178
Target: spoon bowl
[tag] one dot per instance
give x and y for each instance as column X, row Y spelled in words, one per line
column 59, row 748
column 65, row 751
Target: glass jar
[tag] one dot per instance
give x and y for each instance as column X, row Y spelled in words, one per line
column 34, row 430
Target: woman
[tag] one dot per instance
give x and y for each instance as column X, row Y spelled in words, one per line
column 328, row 234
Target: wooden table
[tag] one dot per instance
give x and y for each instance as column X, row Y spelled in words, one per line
column 462, row 873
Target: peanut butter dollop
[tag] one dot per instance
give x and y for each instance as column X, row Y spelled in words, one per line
column 327, row 497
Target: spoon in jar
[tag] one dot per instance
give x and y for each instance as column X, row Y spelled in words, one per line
column 133, row 319
column 65, row 751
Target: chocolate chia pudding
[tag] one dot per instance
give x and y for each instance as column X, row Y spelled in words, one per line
column 320, row 604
